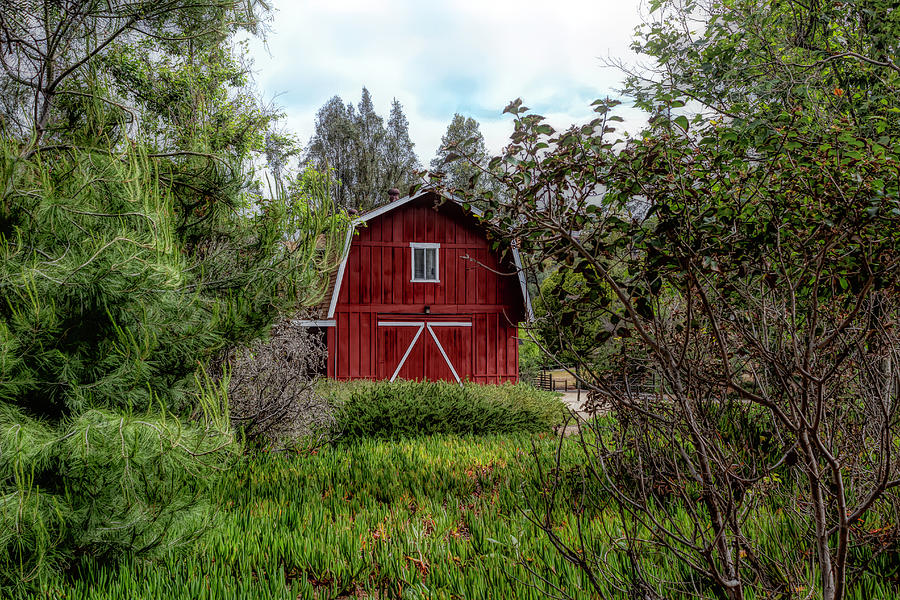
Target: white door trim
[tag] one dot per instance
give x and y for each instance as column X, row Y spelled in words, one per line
column 444, row 354
column 422, row 325
column 431, row 323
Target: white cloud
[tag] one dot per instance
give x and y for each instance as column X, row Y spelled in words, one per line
column 467, row 56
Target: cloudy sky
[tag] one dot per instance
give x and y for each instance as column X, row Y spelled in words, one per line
column 442, row 57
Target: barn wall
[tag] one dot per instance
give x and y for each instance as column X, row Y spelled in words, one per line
column 492, row 350
column 379, row 267
column 377, row 286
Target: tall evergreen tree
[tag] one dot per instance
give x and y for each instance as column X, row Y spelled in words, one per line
column 366, row 158
column 401, row 162
column 462, row 139
column 369, row 154
column 333, row 146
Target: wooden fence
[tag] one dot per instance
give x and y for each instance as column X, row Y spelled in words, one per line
column 546, row 381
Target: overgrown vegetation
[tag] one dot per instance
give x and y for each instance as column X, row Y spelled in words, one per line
column 749, row 251
column 133, row 248
column 272, row 389
column 745, row 256
column 384, row 410
column 431, row 517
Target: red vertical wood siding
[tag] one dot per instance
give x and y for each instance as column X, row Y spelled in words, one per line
column 376, row 287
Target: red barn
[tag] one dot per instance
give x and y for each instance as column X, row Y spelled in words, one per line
column 420, row 294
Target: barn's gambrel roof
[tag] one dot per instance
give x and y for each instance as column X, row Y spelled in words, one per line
column 363, row 218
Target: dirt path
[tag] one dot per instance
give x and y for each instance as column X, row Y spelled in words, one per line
column 574, row 400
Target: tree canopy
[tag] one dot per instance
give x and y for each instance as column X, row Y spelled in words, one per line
column 366, row 157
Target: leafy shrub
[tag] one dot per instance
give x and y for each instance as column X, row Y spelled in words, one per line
column 412, row 408
column 531, row 359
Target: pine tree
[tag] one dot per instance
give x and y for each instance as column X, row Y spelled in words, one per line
column 461, row 154
column 401, row 162
column 132, row 253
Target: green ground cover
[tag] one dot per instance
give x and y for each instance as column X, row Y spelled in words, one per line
column 432, row 517
column 436, row 517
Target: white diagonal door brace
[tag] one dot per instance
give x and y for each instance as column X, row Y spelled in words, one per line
column 444, row 354
column 419, row 324
column 422, row 325
column 441, row 348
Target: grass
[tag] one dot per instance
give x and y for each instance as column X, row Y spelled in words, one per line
column 436, row 517
column 430, row 517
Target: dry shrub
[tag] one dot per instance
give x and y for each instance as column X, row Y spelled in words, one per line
column 272, row 388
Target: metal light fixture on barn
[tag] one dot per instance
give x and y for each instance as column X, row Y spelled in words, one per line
column 427, row 310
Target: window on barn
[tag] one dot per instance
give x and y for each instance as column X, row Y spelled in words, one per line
column 425, row 262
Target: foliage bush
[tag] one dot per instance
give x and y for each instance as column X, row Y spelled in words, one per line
column 531, row 359
column 565, row 287
column 571, row 325
column 386, row 410
column 748, row 237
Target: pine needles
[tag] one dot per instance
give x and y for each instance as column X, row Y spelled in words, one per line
column 108, row 441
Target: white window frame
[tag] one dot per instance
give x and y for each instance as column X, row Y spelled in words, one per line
column 437, row 261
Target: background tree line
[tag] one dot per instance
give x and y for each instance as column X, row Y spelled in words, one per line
column 367, row 157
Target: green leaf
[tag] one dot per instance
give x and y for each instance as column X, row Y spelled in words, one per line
column 513, row 107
